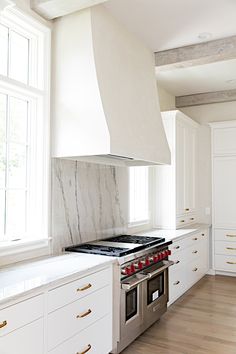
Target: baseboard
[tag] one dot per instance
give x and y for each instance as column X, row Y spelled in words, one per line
column 228, row 274
column 211, row 272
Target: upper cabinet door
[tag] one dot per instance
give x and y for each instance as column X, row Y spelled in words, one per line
column 189, row 169
column 224, row 140
column 180, row 166
column 224, row 192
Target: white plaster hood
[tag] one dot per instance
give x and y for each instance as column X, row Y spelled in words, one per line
column 105, row 104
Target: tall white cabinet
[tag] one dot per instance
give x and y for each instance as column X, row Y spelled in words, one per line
column 224, row 195
column 175, row 199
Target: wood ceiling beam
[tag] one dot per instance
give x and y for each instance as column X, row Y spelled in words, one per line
column 205, row 98
column 196, row 54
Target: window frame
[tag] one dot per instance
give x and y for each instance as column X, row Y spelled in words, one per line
column 38, row 92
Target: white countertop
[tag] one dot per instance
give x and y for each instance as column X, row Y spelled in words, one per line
column 175, row 235
column 22, row 279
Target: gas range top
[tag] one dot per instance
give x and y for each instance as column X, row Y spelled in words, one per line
column 118, row 246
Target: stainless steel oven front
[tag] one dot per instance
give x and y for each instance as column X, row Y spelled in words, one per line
column 144, row 298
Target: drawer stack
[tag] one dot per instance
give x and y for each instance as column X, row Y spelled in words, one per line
column 21, row 327
column 78, row 313
column 190, row 257
column 225, row 250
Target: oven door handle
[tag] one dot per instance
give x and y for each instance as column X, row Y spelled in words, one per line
column 132, row 284
column 160, row 270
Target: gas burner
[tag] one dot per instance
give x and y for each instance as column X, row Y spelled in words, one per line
column 140, row 240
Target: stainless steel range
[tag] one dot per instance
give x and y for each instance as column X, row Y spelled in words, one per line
column 141, row 289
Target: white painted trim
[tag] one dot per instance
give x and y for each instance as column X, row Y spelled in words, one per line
column 228, row 274
column 224, row 124
column 211, row 272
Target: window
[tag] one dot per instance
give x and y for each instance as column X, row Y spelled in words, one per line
column 138, row 195
column 24, row 127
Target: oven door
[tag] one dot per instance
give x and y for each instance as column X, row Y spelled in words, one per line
column 155, row 292
column 131, row 316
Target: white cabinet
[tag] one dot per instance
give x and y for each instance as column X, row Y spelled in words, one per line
column 190, row 257
column 73, row 317
column 21, row 327
column 224, row 195
column 175, row 201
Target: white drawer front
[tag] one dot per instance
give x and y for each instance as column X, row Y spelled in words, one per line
column 97, row 339
column 180, row 245
column 73, row 318
column 18, row 315
column 177, row 283
column 75, row 290
column 179, row 259
column 225, row 235
column 226, row 248
column 187, row 219
column 225, row 263
column 196, row 270
column 26, row 340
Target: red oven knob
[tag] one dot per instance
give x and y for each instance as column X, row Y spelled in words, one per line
column 155, row 258
column 127, row 271
column 140, row 265
column 169, row 252
column 147, row 262
column 132, row 268
column 166, row 253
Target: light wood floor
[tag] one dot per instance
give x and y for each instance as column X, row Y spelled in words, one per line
column 203, row 321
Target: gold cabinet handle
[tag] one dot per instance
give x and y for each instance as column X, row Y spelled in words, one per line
column 177, row 262
column 195, row 269
column 187, row 209
column 86, row 287
column 231, row 248
column 195, row 239
column 191, row 219
column 194, row 252
column 203, row 234
column 231, row 262
column 182, row 220
column 176, row 283
column 3, row 324
column 82, row 315
column 176, row 247
column 86, row 350
column 229, row 235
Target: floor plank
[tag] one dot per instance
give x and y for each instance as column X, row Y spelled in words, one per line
column 202, row 321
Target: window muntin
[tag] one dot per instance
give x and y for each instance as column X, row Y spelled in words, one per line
column 138, row 195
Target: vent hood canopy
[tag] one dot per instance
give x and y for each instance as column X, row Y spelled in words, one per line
column 104, row 96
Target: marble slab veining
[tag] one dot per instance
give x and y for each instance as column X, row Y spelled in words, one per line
column 89, row 202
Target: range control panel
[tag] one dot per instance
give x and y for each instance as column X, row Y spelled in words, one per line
column 141, row 263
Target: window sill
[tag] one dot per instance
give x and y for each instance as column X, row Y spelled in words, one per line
column 16, row 251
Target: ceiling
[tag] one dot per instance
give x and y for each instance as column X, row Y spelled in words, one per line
column 166, row 24
column 203, row 78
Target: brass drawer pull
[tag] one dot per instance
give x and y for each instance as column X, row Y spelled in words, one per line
column 203, row 234
column 195, row 239
column 176, row 283
column 194, row 252
column 86, row 287
column 195, row 269
column 231, row 248
column 182, row 220
column 191, row 219
column 187, row 209
column 3, row 324
column 228, row 235
column 177, row 262
column 84, row 314
column 176, row 247
column 231, row 262
column 86, row 350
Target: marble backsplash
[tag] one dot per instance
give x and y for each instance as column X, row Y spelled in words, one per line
column 89, row 202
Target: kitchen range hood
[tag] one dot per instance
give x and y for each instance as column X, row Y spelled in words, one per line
column 105, row 104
